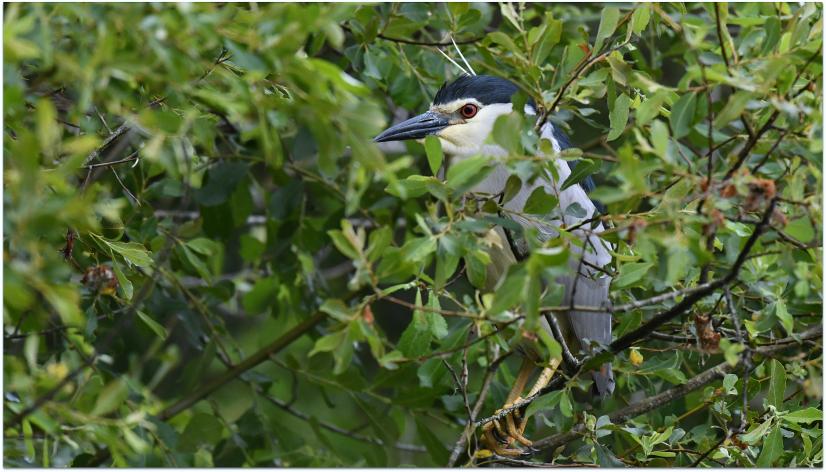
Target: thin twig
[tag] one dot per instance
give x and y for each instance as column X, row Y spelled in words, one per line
column 130, row 158
column 471, row 427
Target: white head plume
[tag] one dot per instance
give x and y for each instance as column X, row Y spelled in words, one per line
column 469, row 70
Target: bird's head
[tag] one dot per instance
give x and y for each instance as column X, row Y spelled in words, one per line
column 461, row 116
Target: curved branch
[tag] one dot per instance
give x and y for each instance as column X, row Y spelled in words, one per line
column 624, row 414
column 263, row 354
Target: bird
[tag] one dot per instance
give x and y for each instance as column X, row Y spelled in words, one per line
column 462, row 115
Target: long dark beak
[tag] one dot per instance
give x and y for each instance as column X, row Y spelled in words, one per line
column 415, row 128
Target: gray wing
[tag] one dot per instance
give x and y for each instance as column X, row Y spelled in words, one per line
column 583, row 328
column 587, row 287
column 590, row 286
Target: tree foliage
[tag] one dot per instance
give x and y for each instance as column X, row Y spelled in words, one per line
column 207, row 261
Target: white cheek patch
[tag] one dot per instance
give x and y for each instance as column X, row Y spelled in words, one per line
column 469, row 137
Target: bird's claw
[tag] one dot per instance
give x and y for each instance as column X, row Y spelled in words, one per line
column 501, row 434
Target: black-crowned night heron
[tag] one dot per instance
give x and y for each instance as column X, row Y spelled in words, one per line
column 462, row 116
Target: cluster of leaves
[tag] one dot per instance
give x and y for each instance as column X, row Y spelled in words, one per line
column 208, row 261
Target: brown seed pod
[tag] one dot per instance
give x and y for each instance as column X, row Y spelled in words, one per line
column 728, row 191
column 709, row 339
column 367, row 313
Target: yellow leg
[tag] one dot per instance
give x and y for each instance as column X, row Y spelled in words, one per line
column 543, row 380
column 494, row 436
column 521, row 381
column 499, row 435
column 544, row 377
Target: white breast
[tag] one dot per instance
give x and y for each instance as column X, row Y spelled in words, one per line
column 597, row 251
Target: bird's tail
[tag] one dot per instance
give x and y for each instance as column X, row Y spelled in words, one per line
column 603, row 381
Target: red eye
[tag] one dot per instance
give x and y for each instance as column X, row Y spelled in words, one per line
column 469, row 110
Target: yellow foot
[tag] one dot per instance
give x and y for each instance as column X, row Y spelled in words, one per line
column 501, row 435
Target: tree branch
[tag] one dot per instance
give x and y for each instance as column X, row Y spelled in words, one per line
column 651, row 325
column 483, row 394
column 263, row 354
column 631, row 411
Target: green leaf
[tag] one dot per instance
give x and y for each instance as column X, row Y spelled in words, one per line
column 729, row 382
column 416, row 249
column 582, row 169
column 343, row 244
column 204, row 246
column 152, row 324
column 512, row 187
column 133, row 253
column 435, row 321
column 435, row 447
column 660, row 138
column 731, row 351
column 510, row 292
column 650, row 108
column 415, row 340
column 777, row 384
column 503, row 39
column 540, row 203
column 446, row 265
column 329, row 342
column 262, row 296
column 111, row 397
column 554, row 348
column 435, row 156
column 631, row 273
column 565, row 404
column 607, row 26
column 606, row 458
column 619, row 116
column 772, row 448
column 124, row 283
column 734, row 107
column 337, row 309
column 678, row 264
column 203, row 459
column 378, row 241
column 464, row 171
column 545, row 402
column 413, row 186
column 671, row 375
column 806, row 416
column 576, row 210
column 202, row 430
column 639, row 19
column 476, row 269
column 800, row 229
column 757, row 433
column 222, row 179
column 507, row 132
column 782, row 314
column 682, row 115
column 431, row 372
column 28, row 434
